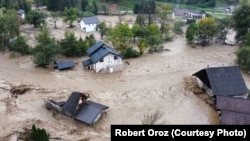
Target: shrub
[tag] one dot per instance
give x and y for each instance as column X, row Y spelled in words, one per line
column 20, row 45
column 38, row 134
column 130, row 53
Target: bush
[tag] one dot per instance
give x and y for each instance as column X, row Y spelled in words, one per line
column 20, row 45
column 130, row 53
column 189, row 21
column 38, row 134
column 243, row 58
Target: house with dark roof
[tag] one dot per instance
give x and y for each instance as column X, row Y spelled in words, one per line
column 103, row 58
column 233, row 111
column 79, row 107
column 223, row 81
column 21, row 14
column 187, row 14
column 88, row 24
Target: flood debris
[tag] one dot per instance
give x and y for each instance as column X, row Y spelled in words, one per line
column 20, row 89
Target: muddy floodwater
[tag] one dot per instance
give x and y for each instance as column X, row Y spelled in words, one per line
column 153, row 82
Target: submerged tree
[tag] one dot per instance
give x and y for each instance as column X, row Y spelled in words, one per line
column 37, row 18
column 102, row 27
column 69, row 45
column 191, row 33
column 207, row 29
column 46, row 50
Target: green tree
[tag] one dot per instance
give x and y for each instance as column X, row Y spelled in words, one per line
column 130, row 53
column 69, row 45
column 177, row 29
column 20, row 45
column 191, row 33
column 83, row 46
column 138, row 31
column 241, row 19
column 55, row 15
column 92, row 7
column 207, row 29
column 243, row 58
column 154, row 38
column 39, row 134
column 84, row 4
column 37, row 18
column 162, row 12
column 104, row 8
column 140, row 20
column 90, row 39
column 120, row 36
column 45, row 51
column 70, row 15
column 246, row 41
column 60, row 5
column 102, row 27
column 223, row 26
column 9, row 27
column 142, row 45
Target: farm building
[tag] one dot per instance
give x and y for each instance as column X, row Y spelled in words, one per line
column 224, row 81
column 79, row 107
column 233, row 111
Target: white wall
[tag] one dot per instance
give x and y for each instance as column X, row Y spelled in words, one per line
column 107, row 61
column 88, row 27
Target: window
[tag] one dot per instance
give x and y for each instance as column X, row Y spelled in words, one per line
column 101, row 60
column 115, row 57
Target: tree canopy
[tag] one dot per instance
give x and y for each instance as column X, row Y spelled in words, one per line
column 241, row 19
column 70, row 15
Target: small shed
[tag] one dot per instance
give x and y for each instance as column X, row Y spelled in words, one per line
column 63, row 65
column 225, row 81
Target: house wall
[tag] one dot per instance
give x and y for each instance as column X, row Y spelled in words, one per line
column 108, row 64
column 88, row 27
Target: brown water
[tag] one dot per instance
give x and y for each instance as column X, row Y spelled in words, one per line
column 150, row 83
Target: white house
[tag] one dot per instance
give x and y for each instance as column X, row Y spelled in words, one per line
column 103, row 58
column 88, row 24
column 21, row 14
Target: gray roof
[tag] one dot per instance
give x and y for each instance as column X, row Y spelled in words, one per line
column 20, row 12
column 87, row 62
column 232, row 104
column 102, row 52
column 226, row 81
column 234, row 118
column 95, row 47
column 90, row 20
column 89, row 111
column 98, row 51
column 71, row 104
column 180, row 12
column 64, row 65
